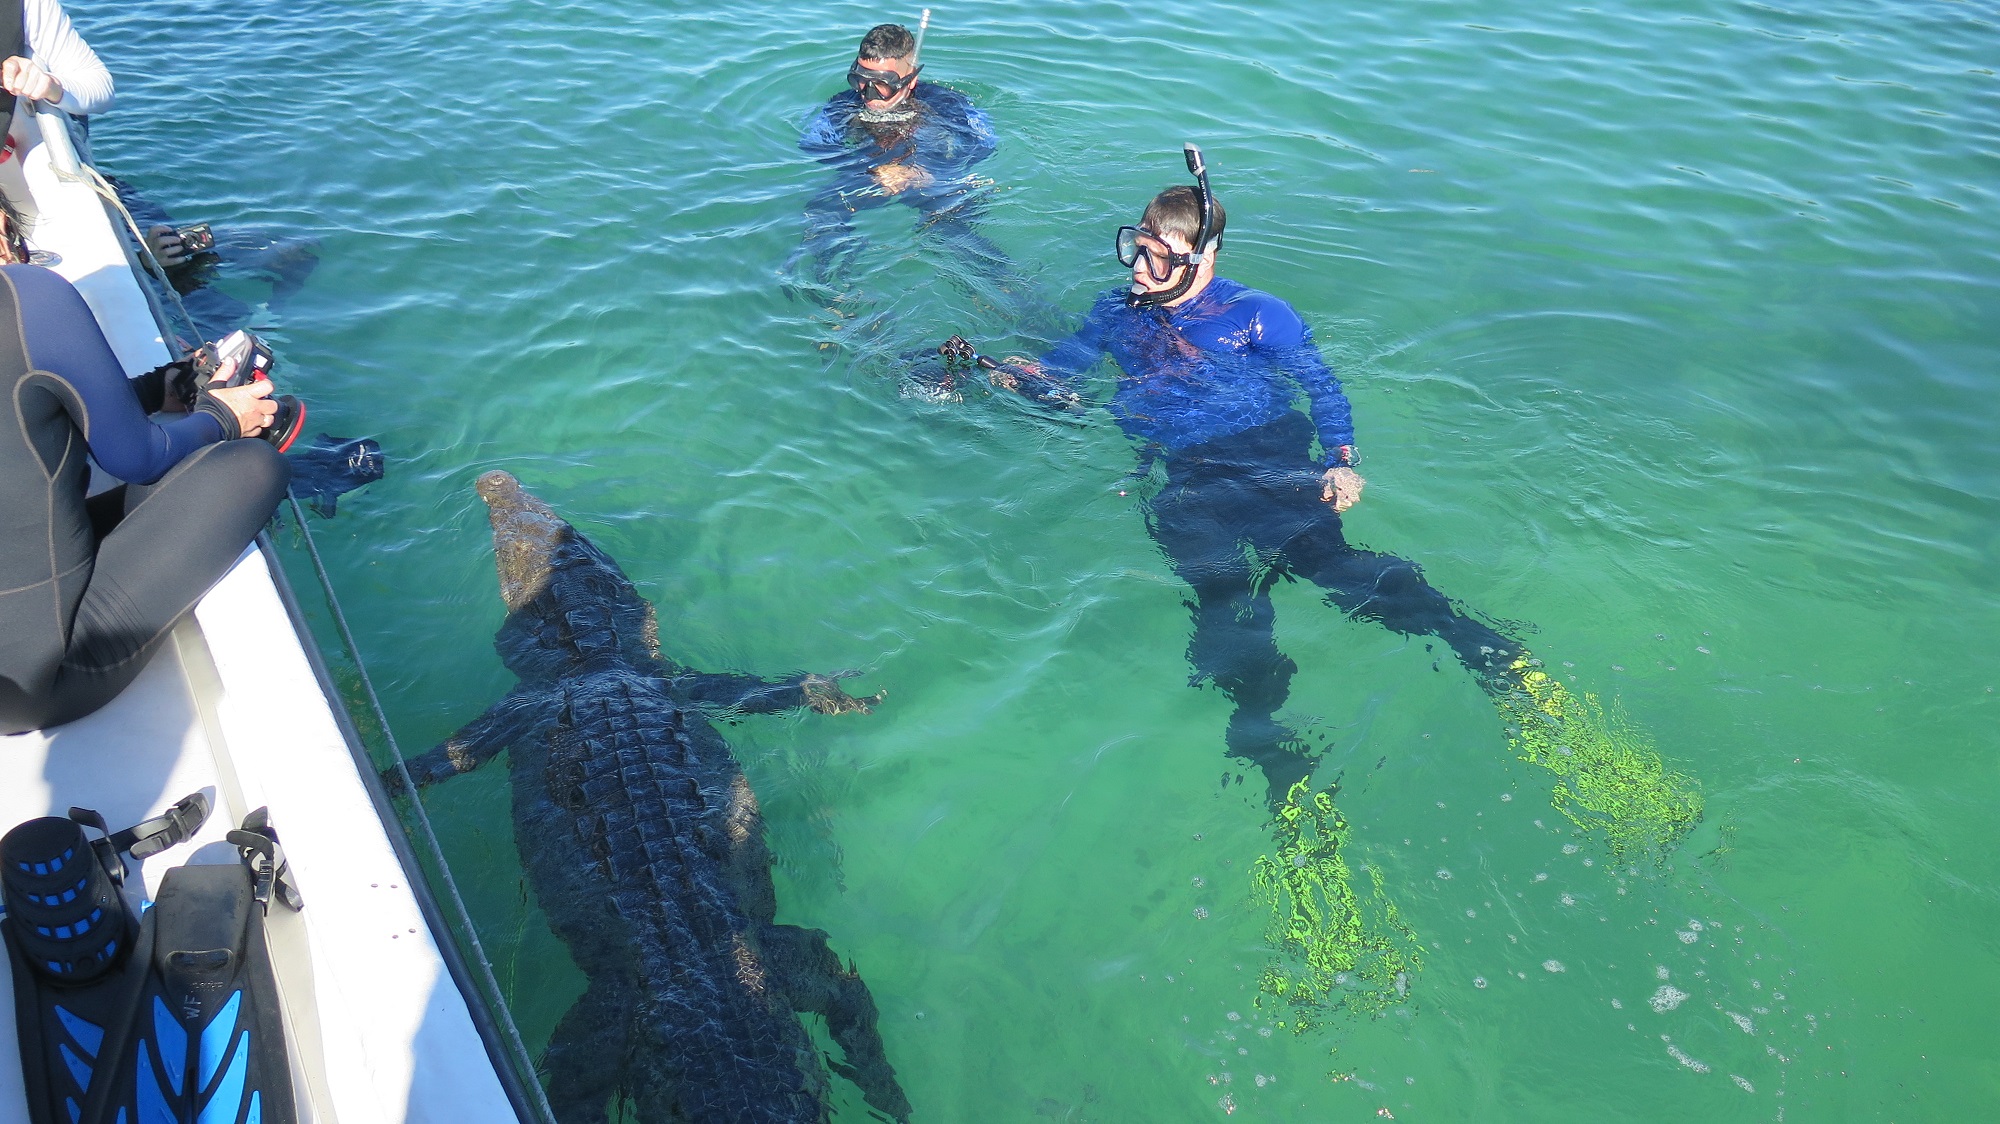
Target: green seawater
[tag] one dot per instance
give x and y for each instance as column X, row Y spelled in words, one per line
column 1671, row 332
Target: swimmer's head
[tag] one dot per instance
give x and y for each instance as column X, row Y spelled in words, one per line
column 885, row 68
column 1160, row 250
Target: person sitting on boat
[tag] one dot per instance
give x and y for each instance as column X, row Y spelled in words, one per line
column 46, row 60
column 895, row 138
column 90, row 587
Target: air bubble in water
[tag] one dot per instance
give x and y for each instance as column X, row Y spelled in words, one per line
column 1569, row 848
column 1679, row 1056
column 1553, row 966
column 1667, row 998
column 1444, row 874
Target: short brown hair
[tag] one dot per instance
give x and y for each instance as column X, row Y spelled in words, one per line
column 1177, row 211
column 887, row 41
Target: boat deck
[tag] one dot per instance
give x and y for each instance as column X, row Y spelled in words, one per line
column 237, row 705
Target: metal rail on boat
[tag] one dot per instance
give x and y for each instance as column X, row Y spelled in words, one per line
column 383, row 1008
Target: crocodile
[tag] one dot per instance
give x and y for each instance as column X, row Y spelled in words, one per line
column 644, row 844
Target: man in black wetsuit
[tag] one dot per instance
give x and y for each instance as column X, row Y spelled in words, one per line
column 1208, row 373
column 895, row 139
column 90, row 587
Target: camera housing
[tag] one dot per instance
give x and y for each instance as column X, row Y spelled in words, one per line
column 196, row 239
column 253, row 364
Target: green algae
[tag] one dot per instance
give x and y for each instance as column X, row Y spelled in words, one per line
column 1337, row 948
column 1609, row 777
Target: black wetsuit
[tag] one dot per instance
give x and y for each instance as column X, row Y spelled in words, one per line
column 1208, row 389
column 89, row 588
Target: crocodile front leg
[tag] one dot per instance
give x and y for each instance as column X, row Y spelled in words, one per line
column 748, row 694
column 478, row 741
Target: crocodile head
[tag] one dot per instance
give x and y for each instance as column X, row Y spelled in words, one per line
column 568, row 603
column 527, row 536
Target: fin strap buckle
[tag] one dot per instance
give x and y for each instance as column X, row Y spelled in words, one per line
column 257, row 842
column 170, row 828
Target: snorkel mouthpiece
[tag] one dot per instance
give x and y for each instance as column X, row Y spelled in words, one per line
column 1200, row 251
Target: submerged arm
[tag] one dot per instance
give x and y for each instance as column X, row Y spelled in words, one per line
column 1285, row 337
column 1052, row 380
column 959, row 136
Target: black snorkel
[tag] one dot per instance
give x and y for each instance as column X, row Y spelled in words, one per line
column 1201, row 250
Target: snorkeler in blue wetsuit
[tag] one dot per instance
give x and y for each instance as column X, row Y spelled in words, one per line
column 1208, row 371
column 895, row 139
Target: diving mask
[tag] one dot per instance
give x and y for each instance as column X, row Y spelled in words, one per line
column 879, row 85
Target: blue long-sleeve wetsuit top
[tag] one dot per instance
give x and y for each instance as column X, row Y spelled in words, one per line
column 1229, row 360
column 944, row 134
column 62, row 338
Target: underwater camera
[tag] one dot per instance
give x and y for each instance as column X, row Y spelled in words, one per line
column 196, row 239
column 253, row 364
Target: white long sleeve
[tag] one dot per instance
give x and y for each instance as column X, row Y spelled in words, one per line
column 54, row 45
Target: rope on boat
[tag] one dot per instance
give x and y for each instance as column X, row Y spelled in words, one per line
column 506, row 1014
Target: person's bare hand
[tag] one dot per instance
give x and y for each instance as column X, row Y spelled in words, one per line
column 251, row 403
column 895, row 178
column 165, row 242
column 1341, row 487
column 25, row 79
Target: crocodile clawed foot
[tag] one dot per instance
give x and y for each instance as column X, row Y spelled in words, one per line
column 824, row 694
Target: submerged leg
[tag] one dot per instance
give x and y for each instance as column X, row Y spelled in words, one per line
column 587, row 1056
column 1233, row 645
column 813, row 978
column 1610, row 777
column 1392, row 591
column 827, row 254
